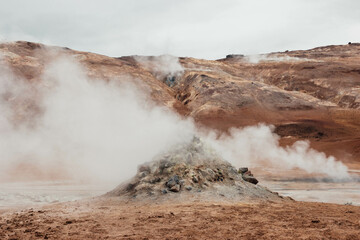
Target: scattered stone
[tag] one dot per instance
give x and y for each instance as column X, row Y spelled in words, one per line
column 249, row 178
column 175, row 188
column 143, row 174
column 154, row 180
column 172, row 181
column 164, row 191
column 188, row 188
column 130, row 186
column 165, row 163
column 243, row 170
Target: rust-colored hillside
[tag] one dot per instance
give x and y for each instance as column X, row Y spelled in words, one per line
column 312, row 94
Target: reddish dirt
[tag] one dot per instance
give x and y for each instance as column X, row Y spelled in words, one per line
column 112, row 219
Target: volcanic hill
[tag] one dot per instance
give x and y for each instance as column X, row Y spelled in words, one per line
column 197, row 172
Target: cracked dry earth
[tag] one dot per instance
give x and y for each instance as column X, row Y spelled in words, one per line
column 111, row 218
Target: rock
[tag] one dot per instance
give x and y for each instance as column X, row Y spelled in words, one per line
column 170, row 81
column 188, row 188
column 165, row 163
column 154, row 180
column 164, row 191
column 174, row 183
column 195, row 179
column 235, row 56
column 249, row 178
column 174, row 180
column 131, row 186
column 243, row 170
column 143, row 174
column 211, row 174
column 175, row 188
column 232, row 170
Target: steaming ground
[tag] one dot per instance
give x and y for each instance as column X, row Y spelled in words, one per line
column 92, row 130
column 69, row 127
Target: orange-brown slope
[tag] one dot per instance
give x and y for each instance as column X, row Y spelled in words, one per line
column 329, row 73
column 303, row 97
column 312, row 94
column 27, row 59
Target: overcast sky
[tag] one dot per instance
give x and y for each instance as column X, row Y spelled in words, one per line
column 198, row 28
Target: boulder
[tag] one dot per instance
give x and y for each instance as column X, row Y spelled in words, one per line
column 243, row 170
column 174, row 180
column 174, row 183
column 250, row 178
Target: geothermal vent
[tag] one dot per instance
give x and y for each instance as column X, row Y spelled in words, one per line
column 192, row 170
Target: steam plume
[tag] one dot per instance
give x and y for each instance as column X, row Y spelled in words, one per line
column 69, row 126
column 258, row 146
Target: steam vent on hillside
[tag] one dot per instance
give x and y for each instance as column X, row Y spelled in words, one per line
column 193, row 170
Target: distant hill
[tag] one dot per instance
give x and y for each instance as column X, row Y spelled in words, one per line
column 306, row 94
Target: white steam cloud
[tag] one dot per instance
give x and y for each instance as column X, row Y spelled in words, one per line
column 258, row 146
column 89, row 128
column 68, row 126
column 165, row 67
column 256, row 58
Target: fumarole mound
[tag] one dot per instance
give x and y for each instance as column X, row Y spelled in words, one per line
column 192, row 171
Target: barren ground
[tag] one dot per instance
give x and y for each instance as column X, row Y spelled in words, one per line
column 113, row 219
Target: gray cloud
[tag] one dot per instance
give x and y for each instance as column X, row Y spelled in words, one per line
column 205, row 29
